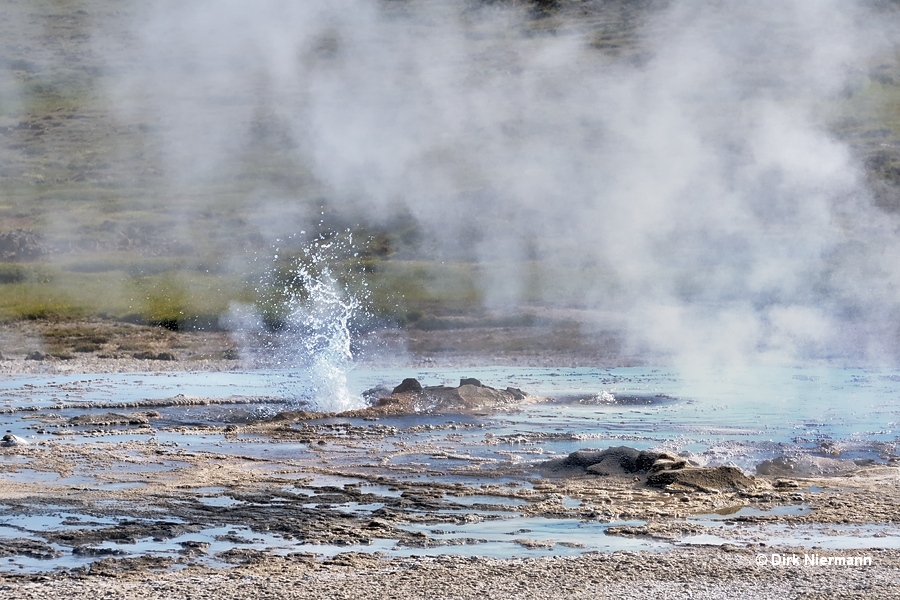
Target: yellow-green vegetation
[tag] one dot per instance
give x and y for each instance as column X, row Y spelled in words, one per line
column 173, row 298
column 413, row 288
column 163, row 292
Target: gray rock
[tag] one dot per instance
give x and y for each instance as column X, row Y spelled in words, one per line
column 467, row 397
column 667, row 462
column 806, row 466
column 35, row 355
column 662, row 469
column 13, row 440
column 106, row 419
column 702, row 479
column 608, row 465
column 612, row 461
column 586, row 458
column 411, row 397
column 517, row 393
column 154, row 356
column 410, row 384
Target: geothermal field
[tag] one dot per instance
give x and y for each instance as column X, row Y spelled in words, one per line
column 420, row 298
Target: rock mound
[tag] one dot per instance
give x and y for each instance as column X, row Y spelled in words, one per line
column 702, row 479
column 410, row 384
column 411, row 397
column 660, row 468
column 617, row 460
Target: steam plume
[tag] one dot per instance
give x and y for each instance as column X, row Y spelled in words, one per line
column 688, row 182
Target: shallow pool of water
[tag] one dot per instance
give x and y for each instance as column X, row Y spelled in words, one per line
column 828, row 537
column 739, row 417
column 533, row 536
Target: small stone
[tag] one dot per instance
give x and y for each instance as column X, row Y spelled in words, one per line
column 785, row 484
column 13, row 440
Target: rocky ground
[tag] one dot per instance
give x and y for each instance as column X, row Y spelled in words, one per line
column 108, row 346
column 164, row 488
column 714, row 571
column 697, row 573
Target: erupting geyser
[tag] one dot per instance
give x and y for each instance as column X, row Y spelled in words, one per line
column 303, row 328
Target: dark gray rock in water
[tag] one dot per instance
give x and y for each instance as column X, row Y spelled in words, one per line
column 410, row 384
column 779, row 466
column 612, row 461
column 586, row 458
column 702, row 479
column 662, row 469
column 91, row 551
column 411, row 397
column 193, row 548
column 467, row 397
column 13, row 440
column 35, row 355
column 107, row 419
column 517, row 393
column 806, row 466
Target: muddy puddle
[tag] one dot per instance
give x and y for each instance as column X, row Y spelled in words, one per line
column 749, row 525
column 200, row 468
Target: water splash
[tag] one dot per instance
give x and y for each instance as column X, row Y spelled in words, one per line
column 303, row 322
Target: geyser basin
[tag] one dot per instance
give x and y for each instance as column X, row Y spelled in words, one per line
column 405, row 484
column 739, row 416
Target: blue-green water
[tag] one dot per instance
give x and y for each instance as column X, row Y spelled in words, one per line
column 741, row 414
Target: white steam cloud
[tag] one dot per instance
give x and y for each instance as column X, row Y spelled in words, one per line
column 694, row 171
